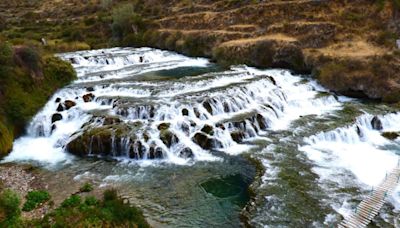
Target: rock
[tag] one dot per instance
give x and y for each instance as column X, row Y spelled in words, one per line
column 60, row 108
column 109, row 120
column 203, row 141
column 238, row 136
column 272, row 79
column 261, row 122
column 208, row 129
column 53, row 128
column 221, row 126
column 58, row 100
column 391, row 135
column 88, row 97
column 376, row 123
column 146, row 136
column 168, row 138
column 137, row 150
column 69, row 104
column 89, row 89
column 163, row 126
column 56, row 117
column 155, row 153
column 196, row 112
column 186, row 153
column 208, row 107
column 185, row 112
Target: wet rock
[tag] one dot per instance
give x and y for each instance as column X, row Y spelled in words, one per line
column 196, row 112
column 168, row 138
column 272, row 79
column 60, row 108
column 163, row 126
column 109, row 120
column 186, row 153
column 208, row 107
column 155, row 153
column 261, row 122
column 137, row 151
column 103, row 141
column 53, row 128
column 238, row 136
column 185, row 128
column 391, row 135
column 56, row 117
column 203, row 141
column 89, row 89
column 192, row 123
column 88, row 97
column 359, row 132
column 209, row 130
column 221, row 126
column 185, row 112
column 69, row 104
column 376, row 123
column 58, row 100
column 146, row 136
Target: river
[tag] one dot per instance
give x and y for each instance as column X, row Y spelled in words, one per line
column 186, row 136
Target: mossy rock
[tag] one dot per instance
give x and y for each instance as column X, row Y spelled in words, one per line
column 391, row 135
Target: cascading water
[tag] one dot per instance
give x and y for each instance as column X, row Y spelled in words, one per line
column 115, row 113
column 167, row 115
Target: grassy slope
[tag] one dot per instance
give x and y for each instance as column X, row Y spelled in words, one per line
column 27, row 80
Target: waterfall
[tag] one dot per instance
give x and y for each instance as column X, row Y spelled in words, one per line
column 113, row 109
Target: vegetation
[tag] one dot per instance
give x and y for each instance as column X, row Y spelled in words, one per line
column 27, row 79
column 87, row 187
column 9, row 209
column 34, row 199
column 110, row 212
column 73, row 212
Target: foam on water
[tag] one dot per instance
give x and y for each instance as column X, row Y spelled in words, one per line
column 359, row 148
column 243, row 101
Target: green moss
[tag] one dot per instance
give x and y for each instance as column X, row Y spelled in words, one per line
column 34, row 199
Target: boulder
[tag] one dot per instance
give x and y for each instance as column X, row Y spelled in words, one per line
column 209, row 130
column 208, row 107
column 88, row 97
column 58, row 100
column 60, row 108
column 69, row 104
column 186, row 153
column 163, row 126
column 261, row 122
column 155, row 153
column 391, row 135
column 237, row 136
column 56, row 117
column 185, row 112
column 376, row 123
column 109, row 120
column 168, row 138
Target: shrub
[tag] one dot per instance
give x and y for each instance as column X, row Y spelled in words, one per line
column 9, row 209
column 106, row 4
column 124, row 19
column 6, row 140
column 72, row 201
column 34, row 199
column 6, row 53
column 87, row 187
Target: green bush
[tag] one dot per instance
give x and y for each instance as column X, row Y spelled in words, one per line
column 124, row 19
column 72, row 201
column 6, row 53
column 9, row 209
column 110, row 212
column 34, row 199
column 87, row 187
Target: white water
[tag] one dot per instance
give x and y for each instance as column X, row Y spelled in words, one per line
column 359, row 148
column 239, row 99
